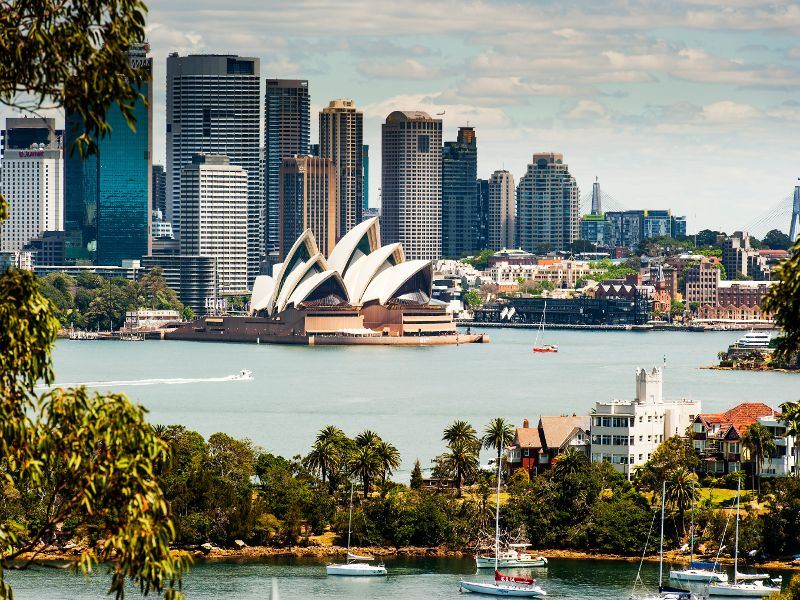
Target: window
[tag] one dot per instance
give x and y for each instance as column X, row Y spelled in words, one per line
column 423, row 143
column 649, row 418
column 597, row 421
column 606, row 440
column 596, row 439
column 631, row 441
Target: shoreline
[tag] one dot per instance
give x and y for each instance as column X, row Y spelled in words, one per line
column 759, row 370
column 258, row 553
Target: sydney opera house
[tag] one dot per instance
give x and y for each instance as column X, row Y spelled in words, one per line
column 363, row 293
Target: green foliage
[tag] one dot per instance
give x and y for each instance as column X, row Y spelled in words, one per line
column 535, row 288
column 481, row 260
column 663, row 246
column 782, row 518
column 605, row 269
column 759, row 441
column 72, row 55
column 777, row 240
column 187, row 314
column 671, row 457
column 783, row 302
column 498, row 435
column 417, row 481
column 75, row 465
column 472, row 299
column 460, row 462
column 677, row 308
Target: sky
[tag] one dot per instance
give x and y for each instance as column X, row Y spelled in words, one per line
column 692, row 105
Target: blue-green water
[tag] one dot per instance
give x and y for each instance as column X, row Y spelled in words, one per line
column 408, row 579
column 408, row 395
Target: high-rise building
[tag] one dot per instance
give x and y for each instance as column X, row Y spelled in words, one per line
column 548, row 207
column 341, row 138
column 213, row 107
column 108, row 195
column 736, row 251
column 31, row 181
column 194, row 278
column 309, row 200
column 460, row 208
column 502, row 207
column 365, row 185
column 160, row 189
column 482, row 186
column 287, row 131
column 411, row 190
column 214, row 217
column 628, row 228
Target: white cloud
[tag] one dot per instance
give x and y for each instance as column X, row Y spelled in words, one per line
column 409, row 68
column 729, row 112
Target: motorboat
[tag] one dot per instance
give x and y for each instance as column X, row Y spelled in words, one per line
column 243, row 375
column 546, row 348
column 751, row 589
column 355, row 566
column 503, row 585
column 704, row 572
column 511, row 558
column 752, row 576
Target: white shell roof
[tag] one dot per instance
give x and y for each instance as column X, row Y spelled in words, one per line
column 303, row 290
column 365, row 269
column 348, row 245
column 298, row 276
column 307, row 239
column 262, row 291
column 387, row 282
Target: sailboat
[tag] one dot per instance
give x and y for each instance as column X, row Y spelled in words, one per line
column 755, row 589
column 356, row 565
column 537, row 347
column 697, row 571
column 666, row 592
column 503, row 585
column 514, row 557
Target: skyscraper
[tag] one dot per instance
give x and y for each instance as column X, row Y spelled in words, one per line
column 160, row 189
column 31, row 181
column 287, row 130
column 502, row 218
column 214, row 217
column 213, row 107
column 482, row 186
column 108, row 196
column 547, row 205
column 411, row 171
column 341, row 138
column 365, row 185
column 460, row 209
column 309, row 200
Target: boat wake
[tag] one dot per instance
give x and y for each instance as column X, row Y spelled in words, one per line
column 155, row 381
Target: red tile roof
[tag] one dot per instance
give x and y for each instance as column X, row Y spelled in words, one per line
column 740, row 416
column 528, row 437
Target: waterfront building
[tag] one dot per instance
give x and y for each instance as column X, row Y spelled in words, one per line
column 309, row 200
column 742, row 293
column 287, row 131
column 702, row 282
column 47, row 249
column 740, row 259
column 580, row 310
column 31, row 181
column 513, row 256
column 411, row 203
column 213, row 107
column 141, row 320
column 562, row 274
column 160, row 189
column 341, row 139
column 669, row 275
column 717, row 437
column 627, row 432
column 365, row 184
column 214, row 217
column 536, row 448
column 629, row 228
column 732, row 312
column 547, row 205
column 193, row 278
column 460, row 209
column 502, row 208
column 108, row 195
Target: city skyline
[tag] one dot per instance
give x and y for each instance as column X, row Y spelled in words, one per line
column 666, row 86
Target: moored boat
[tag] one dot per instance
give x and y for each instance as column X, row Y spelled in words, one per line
column 356, row 566
column 511, row 558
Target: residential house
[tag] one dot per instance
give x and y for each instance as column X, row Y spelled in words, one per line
column 535, row 448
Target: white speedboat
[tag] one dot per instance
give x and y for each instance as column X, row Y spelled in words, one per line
column 503, row 585
column 753, row 589
column 244, row 374
column 356, row 566
column 514, row 557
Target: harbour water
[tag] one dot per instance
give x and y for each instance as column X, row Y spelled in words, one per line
column 407, row 395
column 407, row 579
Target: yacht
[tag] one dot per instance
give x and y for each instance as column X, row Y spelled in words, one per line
column 754, row 339
column 355, row 566
column 513, row 557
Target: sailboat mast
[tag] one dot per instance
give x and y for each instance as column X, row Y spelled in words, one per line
column 691, row 532
column 736, row 547
column 350, row 522
column 661, row 542
column 497, row 517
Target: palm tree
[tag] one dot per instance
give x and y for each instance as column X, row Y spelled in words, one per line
column 498, row 435
column 389, row 457
column 367, row 438
column 365, row 464
column 681, row 492
column 791, row 417
column 461, row 433
column 759, row 441
column 569, row 462
column 461, row 461
column 328, row 454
